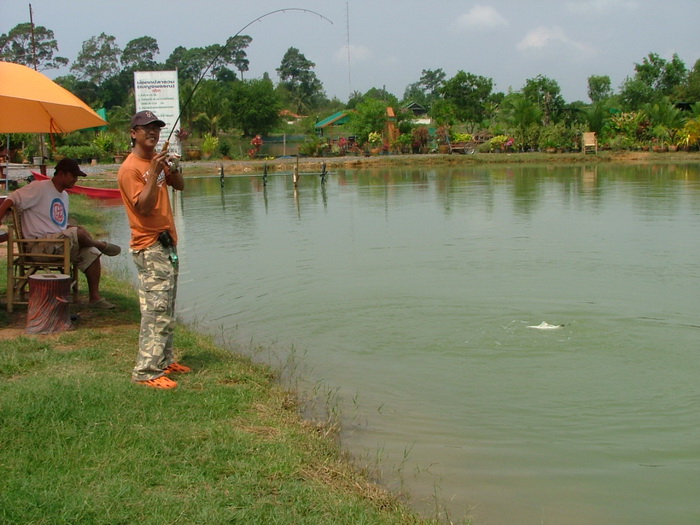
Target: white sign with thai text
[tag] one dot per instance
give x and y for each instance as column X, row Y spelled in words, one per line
column 158, row 92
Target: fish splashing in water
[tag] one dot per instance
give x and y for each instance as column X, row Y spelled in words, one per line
column 546, row 326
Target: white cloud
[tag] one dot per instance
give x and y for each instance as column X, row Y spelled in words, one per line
column 601, row 6
column 552, row 38
column 481, row 17
column 357, row 54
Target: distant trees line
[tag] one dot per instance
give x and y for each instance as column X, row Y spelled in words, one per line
column 657, row 104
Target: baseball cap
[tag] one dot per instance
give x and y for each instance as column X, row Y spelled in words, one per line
column 70, row 166
column 143, row 118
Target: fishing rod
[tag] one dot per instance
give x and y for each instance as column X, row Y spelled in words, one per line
column 223, row 48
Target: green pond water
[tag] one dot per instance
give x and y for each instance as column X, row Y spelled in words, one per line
column 411, row 295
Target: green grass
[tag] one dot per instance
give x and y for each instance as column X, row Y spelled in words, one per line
column 80, row 443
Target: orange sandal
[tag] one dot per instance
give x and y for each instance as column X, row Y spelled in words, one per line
column 177, row 368
column 161, row 382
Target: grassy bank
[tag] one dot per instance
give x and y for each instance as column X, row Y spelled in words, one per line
column 79, row 443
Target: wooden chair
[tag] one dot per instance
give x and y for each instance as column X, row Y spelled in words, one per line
column 589, row 142
column 21, row 263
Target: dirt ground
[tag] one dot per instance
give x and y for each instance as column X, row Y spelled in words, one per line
column 81, row 315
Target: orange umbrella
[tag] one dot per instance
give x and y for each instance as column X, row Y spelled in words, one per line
column 32, row 103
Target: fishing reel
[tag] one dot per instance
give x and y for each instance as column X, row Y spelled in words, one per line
column 173, row 162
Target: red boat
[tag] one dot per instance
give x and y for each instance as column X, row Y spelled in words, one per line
column 95, row 193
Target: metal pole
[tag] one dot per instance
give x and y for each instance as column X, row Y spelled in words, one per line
column 42, row 141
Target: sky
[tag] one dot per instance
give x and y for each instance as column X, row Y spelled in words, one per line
column 360, row 44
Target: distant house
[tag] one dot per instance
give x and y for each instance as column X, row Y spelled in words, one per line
column 290, row 117
column 329, row 126
column 416, row 109
column 420, row 114
column 332, row 127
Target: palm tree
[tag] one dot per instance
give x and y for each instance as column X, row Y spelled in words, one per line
column 596, row 115
column 523, row 115
column 664, row 117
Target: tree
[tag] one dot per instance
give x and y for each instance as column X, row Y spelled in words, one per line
column 139, row 54
column 254, row 106
column 654, row 79
column 19, row 47
column 596, row 115
column 298, row 79
column 546, row 93
column 431, row 81
column 427, row 89
column 689, row 91
column 190, row 63
column 599, row 88
column 468, row 94
column 207, row 108
column 383, row 95
column 634, row 93
column 98, row 59
column 414, row 93
column 355, row 98
column 218, row 58
column 443, row 112
column 369, row 116
column 236, row 52
column 660, row 75
column 84, row 90
column 524, row 116
column 118, row 89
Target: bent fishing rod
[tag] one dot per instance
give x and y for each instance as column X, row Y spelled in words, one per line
column 223, row 48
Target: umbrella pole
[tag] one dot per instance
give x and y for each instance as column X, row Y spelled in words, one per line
column 42, row 150
column 6, row 173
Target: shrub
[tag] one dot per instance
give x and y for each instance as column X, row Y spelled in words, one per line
column 85, row 152
column 104, row 142
column 462, row 137
column 500, row 142
column 311, row 148
column 210, row 144
column 420, row 136
column 225, row 148
column 690, row 134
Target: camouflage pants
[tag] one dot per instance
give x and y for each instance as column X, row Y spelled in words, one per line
column 157, row 290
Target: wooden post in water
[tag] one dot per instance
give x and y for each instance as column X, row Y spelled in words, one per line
column 49, row 306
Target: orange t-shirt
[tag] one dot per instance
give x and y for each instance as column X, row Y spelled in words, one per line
column 144, row 228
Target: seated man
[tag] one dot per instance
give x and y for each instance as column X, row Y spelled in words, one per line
column 44, row 206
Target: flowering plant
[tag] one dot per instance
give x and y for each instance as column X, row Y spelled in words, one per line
column 374, row 138
column 501, row 142
column 182, row 135
column 463, row 137
column 257, row 143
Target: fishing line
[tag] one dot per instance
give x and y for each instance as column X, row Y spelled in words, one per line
column 223, row 48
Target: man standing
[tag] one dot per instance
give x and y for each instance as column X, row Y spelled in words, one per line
column 44, row 206
column 144, row 178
